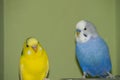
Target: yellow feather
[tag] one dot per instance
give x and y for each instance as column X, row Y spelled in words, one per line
column 33, row 65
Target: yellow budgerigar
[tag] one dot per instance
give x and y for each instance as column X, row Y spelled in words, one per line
column 34, row 63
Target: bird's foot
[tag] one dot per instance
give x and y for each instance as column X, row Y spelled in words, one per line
column 84, row 75
column 110, row 75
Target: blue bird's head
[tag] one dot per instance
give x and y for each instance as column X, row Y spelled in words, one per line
column 85, row 30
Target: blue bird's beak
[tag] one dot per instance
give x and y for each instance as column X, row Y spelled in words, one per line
column 78, row 32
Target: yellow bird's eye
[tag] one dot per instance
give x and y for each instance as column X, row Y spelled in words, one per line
column 27, row 46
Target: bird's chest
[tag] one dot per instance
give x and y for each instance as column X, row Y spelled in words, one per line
column 90, row 52
column 36, row 65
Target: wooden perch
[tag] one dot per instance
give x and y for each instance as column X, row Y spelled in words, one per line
column 116, row 78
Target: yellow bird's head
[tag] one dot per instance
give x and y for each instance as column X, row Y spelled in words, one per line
column 33, row 43
column 31, row 46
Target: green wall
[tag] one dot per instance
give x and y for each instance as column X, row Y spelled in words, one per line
column 1, row 40
column 53, row 22
column 118, row 33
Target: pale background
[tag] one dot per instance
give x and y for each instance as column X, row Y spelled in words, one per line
column 53, row 22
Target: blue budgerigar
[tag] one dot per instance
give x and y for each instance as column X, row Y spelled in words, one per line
column 92, row 51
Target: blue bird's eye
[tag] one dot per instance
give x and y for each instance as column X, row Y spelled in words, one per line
column 78, row 30
column 85, row 28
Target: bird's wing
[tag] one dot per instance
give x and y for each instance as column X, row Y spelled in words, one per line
column 47, row 70
column 20, row 72
column 21, row 68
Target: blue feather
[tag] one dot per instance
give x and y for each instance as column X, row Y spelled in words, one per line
column 93, row 57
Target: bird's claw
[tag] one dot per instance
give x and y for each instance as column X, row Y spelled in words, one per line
column 84, row 75
column 110, row 76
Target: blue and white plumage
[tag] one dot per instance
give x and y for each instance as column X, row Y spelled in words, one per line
column 91, row 50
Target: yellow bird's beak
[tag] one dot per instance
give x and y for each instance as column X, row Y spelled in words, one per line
column 35, row 48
